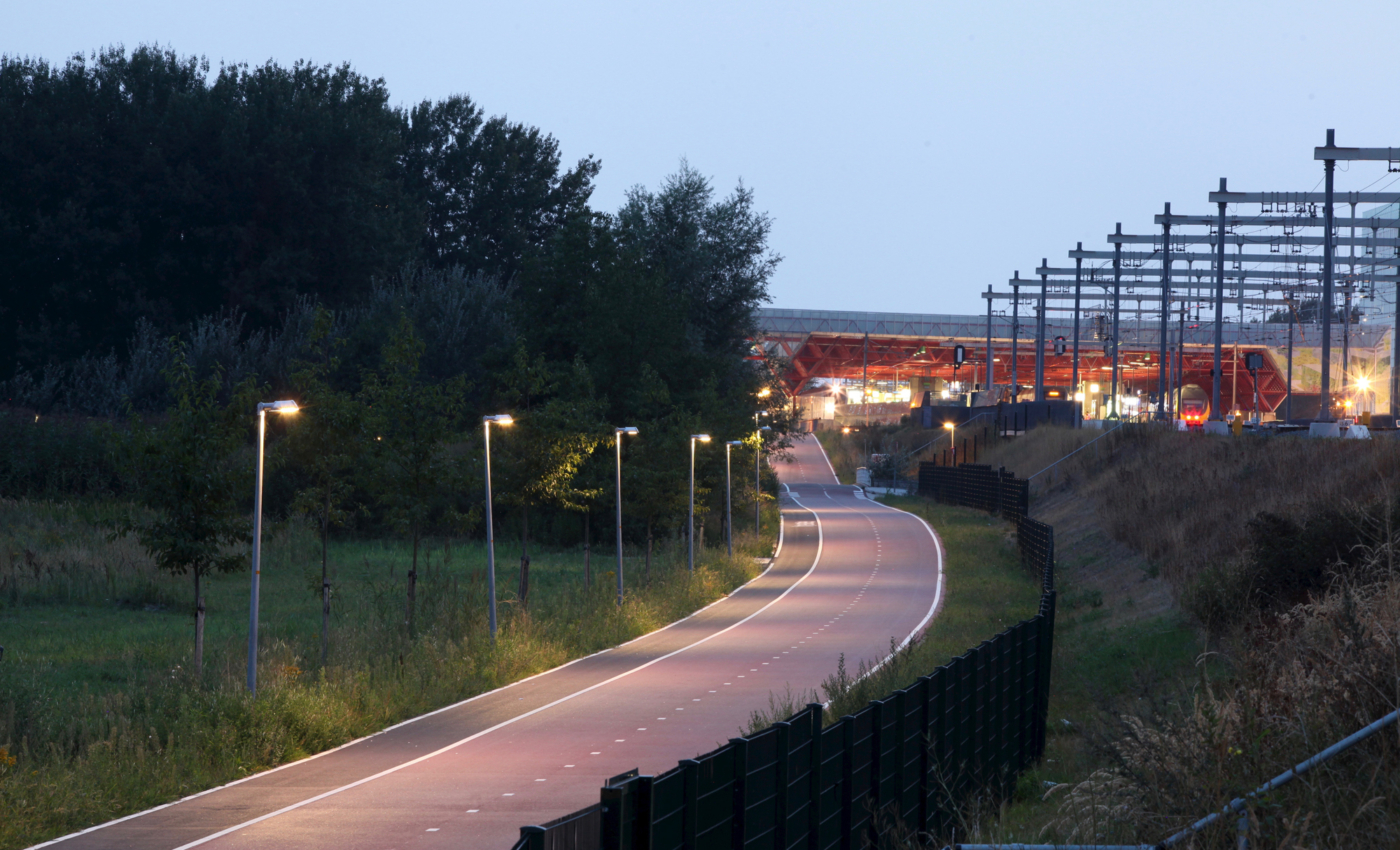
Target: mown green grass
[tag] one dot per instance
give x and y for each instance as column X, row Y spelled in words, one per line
column 100, row 715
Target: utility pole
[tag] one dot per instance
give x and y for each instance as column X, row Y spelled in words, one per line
column 1288, row 399
column 1117, row 288
column 1394, row 332
column 1015, row 332
column 865, row 378
column 1040, row 338
column 1346, row 312
column 1166, row 311
column 1325, row 393
column 990, row 379
column 1180, row 354
column 1078, row 277
column 1217, row 373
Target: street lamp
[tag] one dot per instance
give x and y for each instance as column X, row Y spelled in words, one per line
column 728, row 492
column 617, row 439
column 690, row 535
column 952, row 440
column 283, row 407
column 757, row 467
column 499, row 419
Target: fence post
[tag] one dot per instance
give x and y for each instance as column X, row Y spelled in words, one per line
column 740, row 746
column 643, row 816
column 924, row 689
column 781, row 773
column 901, row 747
column 879, row 715
column 848, row 746
column 690, row 808
column 531, row 838
column 814, row 775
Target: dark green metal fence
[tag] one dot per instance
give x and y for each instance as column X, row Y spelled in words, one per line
column 910, row 759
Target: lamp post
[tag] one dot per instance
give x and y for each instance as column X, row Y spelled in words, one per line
column 952, row 439
column 690, row 533
column 500, row 419
column 283, row 407
column 617, row 440
column 758, row 467
column 728, row 497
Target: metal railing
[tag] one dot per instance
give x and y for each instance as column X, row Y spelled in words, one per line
column 912, row 758
column 1234, row 807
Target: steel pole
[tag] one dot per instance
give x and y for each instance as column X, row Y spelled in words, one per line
column 991, row 380
column 865, row 378
column 490, row 541
column 1162, row 388
column 1346, row 312
column 690, row 528
column 1117, row 288
column 1288, row 399
column 757, row 469
column 1040, row 337
column 1217, row 371
column 617, row 439
column 728, row 503
column 1180, row 364
column 1395, row 339
column 257, row 558
column 1325, row 390
column 1015, row 334
column 1074, row 367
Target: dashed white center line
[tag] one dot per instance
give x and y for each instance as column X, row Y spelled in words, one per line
column 433, row 828
column 472, row 811
column 508, row 794
column 595, row 754
column 539, row 780
column 619, row 740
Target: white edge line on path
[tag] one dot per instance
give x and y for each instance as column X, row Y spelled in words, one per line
column 937, row 548
column 816, row 560
column 771, row 561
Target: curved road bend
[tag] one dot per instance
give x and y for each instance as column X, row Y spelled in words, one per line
column 850, row 575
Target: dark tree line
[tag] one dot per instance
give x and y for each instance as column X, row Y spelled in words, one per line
column 179, row 241
column 147, row 187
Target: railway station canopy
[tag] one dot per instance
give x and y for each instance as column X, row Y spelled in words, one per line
column 818, row 347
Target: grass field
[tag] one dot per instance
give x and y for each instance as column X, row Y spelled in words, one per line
column 100, row 716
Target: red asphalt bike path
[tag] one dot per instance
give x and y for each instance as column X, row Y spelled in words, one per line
column 850, row 576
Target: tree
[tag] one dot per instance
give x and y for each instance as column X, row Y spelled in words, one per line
column 555, row 433
column 492, row 191
column 191, row 481
column 412, row 474
column 713, row 255
column 134, row 186
column 327, row 445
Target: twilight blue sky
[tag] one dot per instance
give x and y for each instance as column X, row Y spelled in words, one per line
column 910, row 153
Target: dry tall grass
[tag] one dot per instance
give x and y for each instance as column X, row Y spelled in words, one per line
column 1299, row 683
column 1184, row 500
column 1289, row 679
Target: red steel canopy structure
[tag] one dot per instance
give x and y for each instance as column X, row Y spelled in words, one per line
column 885, row 346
